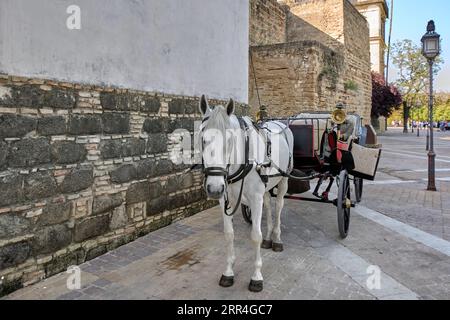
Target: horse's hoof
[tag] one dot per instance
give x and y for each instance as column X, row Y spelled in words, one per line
column 255, row 286
column 266, row 244
column 226, row 282
column 277, row 247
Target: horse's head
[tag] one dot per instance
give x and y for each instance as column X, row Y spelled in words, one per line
column 216, row 146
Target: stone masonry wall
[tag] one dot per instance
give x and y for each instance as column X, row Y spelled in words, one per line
column 319, row 20
column 84, row 170
column 267, row 22
column 341, row 29
column 296, row 77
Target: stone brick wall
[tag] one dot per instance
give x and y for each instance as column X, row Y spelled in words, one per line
column 311, row 78
column 267, row 22
column 84, row 170
column 296, row 77
column 319, row 20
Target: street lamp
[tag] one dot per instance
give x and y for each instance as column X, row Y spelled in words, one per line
column 430, row 50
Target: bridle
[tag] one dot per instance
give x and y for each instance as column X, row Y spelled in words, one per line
column 229, row 179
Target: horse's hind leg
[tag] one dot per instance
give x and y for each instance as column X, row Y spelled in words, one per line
column 267, row 242
column 227, row 279
column 276, row 236
column 256, row 284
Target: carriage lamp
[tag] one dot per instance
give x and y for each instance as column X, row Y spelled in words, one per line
column 431, row 49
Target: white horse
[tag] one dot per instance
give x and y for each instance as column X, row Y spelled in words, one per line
column 225, row 154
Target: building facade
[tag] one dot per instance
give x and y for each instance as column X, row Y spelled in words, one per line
column 376, row 13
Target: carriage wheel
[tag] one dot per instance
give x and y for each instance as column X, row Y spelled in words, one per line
column 359, row 183
column 344, row 204
column 247, row 214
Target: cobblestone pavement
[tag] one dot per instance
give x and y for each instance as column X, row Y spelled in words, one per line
column 400, row 192
column 185, row 260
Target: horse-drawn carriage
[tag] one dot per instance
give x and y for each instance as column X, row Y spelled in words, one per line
column 329, row 147
column 245, row 164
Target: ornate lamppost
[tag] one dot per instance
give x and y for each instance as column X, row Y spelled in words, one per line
column 431, row 49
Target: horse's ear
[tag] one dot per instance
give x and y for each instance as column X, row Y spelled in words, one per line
column 203, row 105
column 230, row 107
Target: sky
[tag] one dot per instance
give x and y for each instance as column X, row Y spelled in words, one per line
column 410, row 21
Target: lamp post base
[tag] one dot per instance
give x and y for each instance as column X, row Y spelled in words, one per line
column 431, row 172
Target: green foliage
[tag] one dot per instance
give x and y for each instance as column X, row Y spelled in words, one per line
column 351, row 85
column 413, row 71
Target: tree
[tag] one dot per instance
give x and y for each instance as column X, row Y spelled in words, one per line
column 413, row 74
column 385, row 99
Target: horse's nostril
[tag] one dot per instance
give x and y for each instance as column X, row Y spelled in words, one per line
column 222, row 189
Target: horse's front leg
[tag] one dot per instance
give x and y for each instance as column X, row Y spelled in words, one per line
column 282, row 190
column 256, row 284
column 227, row 279
column 267, row 242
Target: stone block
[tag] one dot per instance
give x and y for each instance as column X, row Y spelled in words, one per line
column 61, row 263
column 182, row 106
column 157, row 143
column 177, row 201
column 91, row 228
column 157, row 190
column 51, row 126
column 85, row 124
column 111, row 149
column 67, row 152
column 106, row 203
column 116, row 123
column 150, row 105
column 3, row 155
column 153, row 126
column 29, row 153
column 163, row 167
column 157, row 206
column 11, row 189
column 77, row 180
column 13, row 225
column 114, row 101
column 177, row 106
column 14, row 254
column 16, row 126
column 123, row 174
column 138, row 192
column 133, row 147
column 182, row 123
column 51, row 239
column 145, row 168
column 96, row 252
column 32, row 96
column 59, row 98
column 55, row 213
column 40, row 185
column 119, row 218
